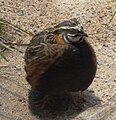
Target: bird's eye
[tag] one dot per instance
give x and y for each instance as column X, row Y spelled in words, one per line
column 80, row 40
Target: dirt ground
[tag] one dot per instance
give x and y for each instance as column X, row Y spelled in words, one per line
column 36, row 15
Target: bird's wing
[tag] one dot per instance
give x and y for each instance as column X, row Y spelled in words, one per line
column 39, row 56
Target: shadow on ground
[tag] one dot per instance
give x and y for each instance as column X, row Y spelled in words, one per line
column 60, row 107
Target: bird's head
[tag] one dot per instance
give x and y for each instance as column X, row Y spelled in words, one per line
column 70, row 31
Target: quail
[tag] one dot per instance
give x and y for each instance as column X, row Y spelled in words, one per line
column 60, row 59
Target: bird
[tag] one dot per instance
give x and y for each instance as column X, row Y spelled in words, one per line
column 60, row 59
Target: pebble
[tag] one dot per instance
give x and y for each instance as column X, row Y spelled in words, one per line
column 92, row 91
column 100, row 46
column 114, row 49
column 21, row 12
column 20, row 100
column 104, row 45
column 17, row 67
column 114, row 60
column 19, row 74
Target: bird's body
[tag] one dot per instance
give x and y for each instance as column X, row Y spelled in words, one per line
column 54, row 66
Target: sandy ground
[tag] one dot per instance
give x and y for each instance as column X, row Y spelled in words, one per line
column 36, row 15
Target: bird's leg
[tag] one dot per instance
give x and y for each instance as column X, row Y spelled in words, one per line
column 71, row 98
column 45, row 100
column 39, row 98
column 42, row 101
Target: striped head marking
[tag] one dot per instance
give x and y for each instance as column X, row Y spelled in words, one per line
column 70, row 30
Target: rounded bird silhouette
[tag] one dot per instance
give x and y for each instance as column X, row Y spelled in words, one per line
column 60, row 59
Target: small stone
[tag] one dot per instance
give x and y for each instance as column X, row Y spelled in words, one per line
column 92, row 91
column 20, row 100
column 21, row 12
column 100, row 46
column 104, row 45
column 114, row 49
column 114, row 60
column 18, row 67
column 19, row 74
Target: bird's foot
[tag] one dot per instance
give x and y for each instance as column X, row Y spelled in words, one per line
column 71, row 98
column 42, row 102
column 45, row 100
column 75, row 98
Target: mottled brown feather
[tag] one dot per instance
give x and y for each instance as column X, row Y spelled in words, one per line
column 39, row 57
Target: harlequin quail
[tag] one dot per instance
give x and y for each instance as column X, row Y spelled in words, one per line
column 60, row 59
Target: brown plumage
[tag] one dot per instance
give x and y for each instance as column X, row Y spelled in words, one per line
column 60, row 59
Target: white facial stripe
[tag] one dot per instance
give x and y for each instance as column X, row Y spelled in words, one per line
column 68, row 27
column 65, row 39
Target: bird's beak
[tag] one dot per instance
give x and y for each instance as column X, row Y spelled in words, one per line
column 81, row 34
